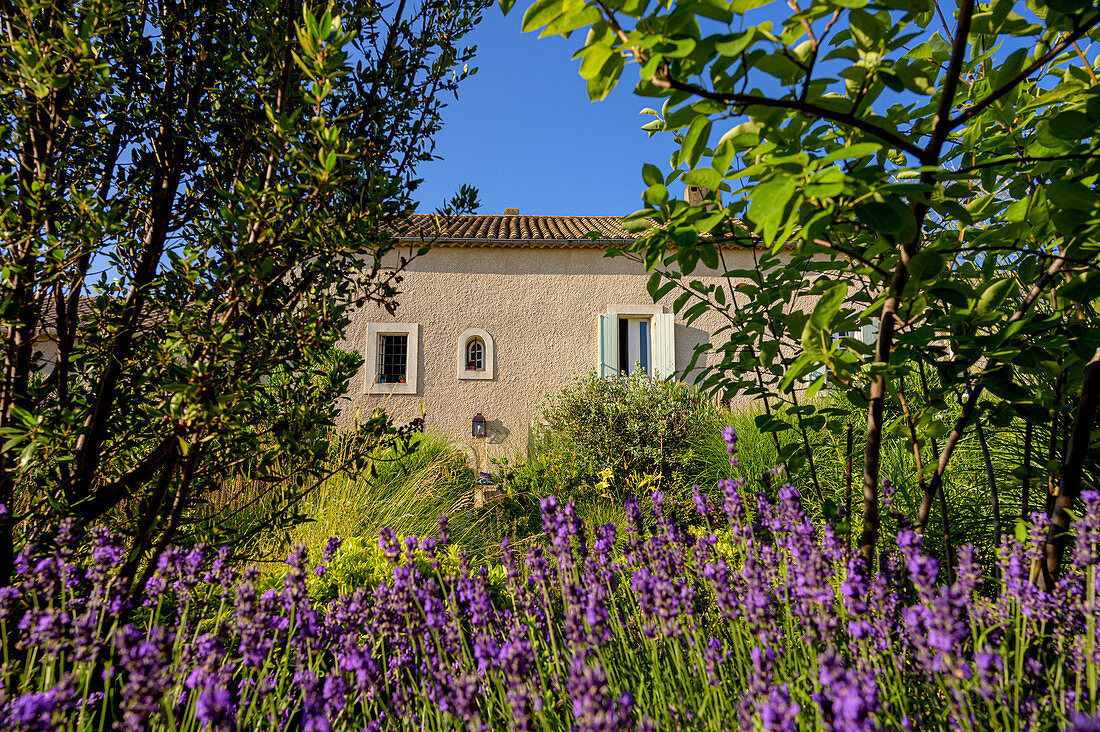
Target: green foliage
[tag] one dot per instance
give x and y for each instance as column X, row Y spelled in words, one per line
column 195, row 198
column 935, row 179
column 630, row 426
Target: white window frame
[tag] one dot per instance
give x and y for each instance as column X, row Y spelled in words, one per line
column 662, row 339
column 490, row 356
column 412, row 358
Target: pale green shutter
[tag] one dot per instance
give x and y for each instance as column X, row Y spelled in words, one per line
column 664, row 345
column 869, row 333
column 607, row 361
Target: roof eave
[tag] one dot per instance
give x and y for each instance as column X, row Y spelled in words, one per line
column 512, row 242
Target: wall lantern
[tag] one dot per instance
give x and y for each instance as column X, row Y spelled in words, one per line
column 478, row 425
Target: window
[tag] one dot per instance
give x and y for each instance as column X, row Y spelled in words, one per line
column 476, row 357
column 392, row 356
column 633, row 344
column 636, row 337
column 393, row 352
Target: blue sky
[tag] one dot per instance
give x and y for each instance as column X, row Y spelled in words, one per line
column 524, row 133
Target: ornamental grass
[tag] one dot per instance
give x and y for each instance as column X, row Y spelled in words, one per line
column 750, row 617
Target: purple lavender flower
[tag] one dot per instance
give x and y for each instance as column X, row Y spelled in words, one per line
column 221, row 571
column 594, row 707
column 1086, row 544
column 214, row 708
column 729, row 436
column 702, row 503
column 848, row 699
column 331, row 547
column 778, row 713
column 1081, row 722
column 37, row 710
column 444, row 534
column 387, row 542
column 146, row 660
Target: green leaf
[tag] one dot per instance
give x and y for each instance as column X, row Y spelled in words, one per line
column 601, row 85
column 801, row 366
column 993, row 295
column 593, row 58
column 724, row 153
column 743, row 6
column 695, row 140
column 541, row 13
column 880, row 217
column 829, row 305
column 858, row 150
column 769, row 201
column 656, row 195
column 651, row 174
column 867, row 31
column 1010, row 67
column 926, row 264
column 1022, row 531
column 734, row 45
column 815, row 387
column 1072, row 125
column 706, row 177
column 1071, row 194
column 826, row 184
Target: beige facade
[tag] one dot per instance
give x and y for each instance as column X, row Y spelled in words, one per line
column 540, row 307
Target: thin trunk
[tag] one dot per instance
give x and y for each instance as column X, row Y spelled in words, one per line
column 945, row 517
column 809, row 452
column 941, row 128
column 1073, row 466
column 936, row 484
column 991, row 481
column 945, row 521
column 976, row 392
column 1052, row 449
column 872, row 454
column 848, row 488
column 767, row 407
column 1025, row 489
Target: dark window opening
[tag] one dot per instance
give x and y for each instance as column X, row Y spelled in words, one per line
column 393, row 353
column 633, row 345
column 624, row 346
column 475, row 355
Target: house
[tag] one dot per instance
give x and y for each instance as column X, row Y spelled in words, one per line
column 504, row 310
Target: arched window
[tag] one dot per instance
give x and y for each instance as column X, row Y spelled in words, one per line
column 475, row 354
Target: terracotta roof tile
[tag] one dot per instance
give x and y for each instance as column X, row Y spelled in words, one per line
column 516, row 231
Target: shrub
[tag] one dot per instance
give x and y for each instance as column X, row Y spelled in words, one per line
column 630, row 425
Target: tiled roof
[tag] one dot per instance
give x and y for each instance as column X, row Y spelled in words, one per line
column 516, row 231
column 88, row 311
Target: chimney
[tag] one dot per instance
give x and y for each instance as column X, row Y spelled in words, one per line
column 511, row 212
column 696, row 195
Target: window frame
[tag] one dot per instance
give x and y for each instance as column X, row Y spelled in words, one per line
column 475, row 354
column 373, row 352
column 490, row 358
column 660, row 365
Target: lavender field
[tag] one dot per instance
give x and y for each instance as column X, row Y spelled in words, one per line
column 752, row 618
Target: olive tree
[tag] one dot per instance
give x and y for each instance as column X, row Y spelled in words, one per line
column 923, row 169
column 194, row 194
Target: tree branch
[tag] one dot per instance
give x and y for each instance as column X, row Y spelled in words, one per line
column 967, row 114
column 795, row 105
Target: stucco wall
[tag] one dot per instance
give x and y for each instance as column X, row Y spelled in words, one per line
column 539, row 305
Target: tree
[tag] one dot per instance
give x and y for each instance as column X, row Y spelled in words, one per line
column 926, row 170
column 194, row 195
